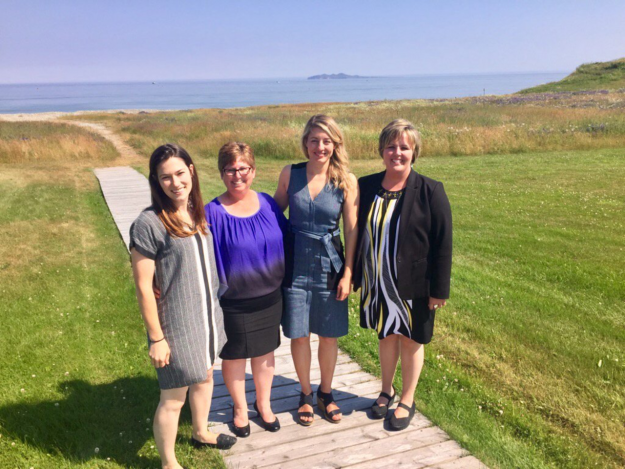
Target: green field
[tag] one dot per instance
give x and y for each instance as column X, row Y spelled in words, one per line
column 527, row 367
column 591, row 76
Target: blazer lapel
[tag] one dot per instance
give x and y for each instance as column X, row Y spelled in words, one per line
column 406, row 209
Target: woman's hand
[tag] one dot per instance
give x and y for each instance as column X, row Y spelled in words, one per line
column 435, row 303
column 160, row 353
column 344, row 288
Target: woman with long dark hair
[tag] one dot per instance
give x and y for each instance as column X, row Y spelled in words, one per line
column 172, row 249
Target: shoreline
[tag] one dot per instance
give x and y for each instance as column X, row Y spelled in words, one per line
column 54, row 115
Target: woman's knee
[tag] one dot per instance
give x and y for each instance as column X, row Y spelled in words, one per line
column 301, row 340
column 328, row 341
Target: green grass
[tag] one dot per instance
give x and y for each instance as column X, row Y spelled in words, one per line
column 75, row 373
column 526, row 368
column 591, row 76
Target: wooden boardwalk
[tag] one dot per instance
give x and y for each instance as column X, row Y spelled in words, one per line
column 127, row 193
column 358, row 442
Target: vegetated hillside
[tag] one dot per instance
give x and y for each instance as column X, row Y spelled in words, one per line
column 593, row 76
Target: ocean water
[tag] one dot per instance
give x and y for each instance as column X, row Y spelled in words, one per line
column 68, row 97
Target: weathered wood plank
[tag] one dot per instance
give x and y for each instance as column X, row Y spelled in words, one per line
column 127, row 193
column 383, row 445
column 466, row 462
column 305, row 442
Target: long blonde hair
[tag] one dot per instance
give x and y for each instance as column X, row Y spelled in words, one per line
column 338, row 171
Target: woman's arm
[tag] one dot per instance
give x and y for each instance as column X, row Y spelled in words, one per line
column 441, row 247
column 143, row 270
column 350, row 230
column 281, row 196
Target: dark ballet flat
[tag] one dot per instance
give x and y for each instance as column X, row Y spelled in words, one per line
column 379, row 411
column 402, row 423
column 270, row 427
column 241, row 432
column 223, row 442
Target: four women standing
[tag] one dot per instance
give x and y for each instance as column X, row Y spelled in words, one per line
column 397, row 250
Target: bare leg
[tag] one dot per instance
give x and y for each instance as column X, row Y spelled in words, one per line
column 234, row 377
column 328, row 351
column 200, row 396
column 263, row 369
column 166, row 425
column 389, row 356
column 300, row 350
column 412, row 355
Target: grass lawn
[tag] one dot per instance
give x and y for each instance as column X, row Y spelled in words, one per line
column 526, row 369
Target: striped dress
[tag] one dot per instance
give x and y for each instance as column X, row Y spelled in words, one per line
column 188, row 309
column 381, row 307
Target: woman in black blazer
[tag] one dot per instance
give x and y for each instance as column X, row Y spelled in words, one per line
column 403, row 263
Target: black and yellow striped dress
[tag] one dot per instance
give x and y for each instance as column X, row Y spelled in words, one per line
column 381, row 307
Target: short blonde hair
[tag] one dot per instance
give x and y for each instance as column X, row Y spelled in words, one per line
column 232, row 151
column 393, row 132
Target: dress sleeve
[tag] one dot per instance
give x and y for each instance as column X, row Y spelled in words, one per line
column 144, row 236
column 440, row 243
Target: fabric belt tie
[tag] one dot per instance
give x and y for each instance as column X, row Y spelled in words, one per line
column 326, row 240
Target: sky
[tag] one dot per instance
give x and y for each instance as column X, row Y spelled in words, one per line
column 139, row 40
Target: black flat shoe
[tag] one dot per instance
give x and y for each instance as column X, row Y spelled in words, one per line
column 323, row 401
column 379, row 411
column 242, row 432
column 305, row 399
column 402, row 423
column 223, row 442
column 270, row 427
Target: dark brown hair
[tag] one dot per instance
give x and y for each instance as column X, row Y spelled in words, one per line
column 163, row 204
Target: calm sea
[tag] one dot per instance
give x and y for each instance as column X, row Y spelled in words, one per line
column 69, row 97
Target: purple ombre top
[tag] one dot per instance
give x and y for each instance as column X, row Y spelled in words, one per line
column 249, row 251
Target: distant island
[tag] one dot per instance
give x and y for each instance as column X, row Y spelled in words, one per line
column 592, row 76
column 334, row 76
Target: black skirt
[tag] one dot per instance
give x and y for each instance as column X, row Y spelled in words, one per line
column 252, row 326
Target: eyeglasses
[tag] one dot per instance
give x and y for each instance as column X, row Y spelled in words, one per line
column 242, row 171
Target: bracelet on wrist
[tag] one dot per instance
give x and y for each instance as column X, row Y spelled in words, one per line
column 155, row 341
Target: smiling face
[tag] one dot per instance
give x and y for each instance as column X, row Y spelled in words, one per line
column 238, row 177
column 174, row 177
column 397, row 156
column 319, row 146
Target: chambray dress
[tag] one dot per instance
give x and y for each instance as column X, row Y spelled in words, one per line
column 310, row 304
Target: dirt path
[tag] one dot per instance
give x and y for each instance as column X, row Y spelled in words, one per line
column 125, row 151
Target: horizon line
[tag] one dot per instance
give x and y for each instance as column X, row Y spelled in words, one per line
column 190, row 80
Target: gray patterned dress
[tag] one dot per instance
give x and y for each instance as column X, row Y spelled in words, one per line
column 188, row 308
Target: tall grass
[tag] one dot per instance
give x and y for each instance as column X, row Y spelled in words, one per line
column 36, row 142
column 469, row 126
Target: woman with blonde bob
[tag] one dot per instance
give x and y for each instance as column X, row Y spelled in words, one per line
column 171, row 247
column 318, row 276
column 403, row 263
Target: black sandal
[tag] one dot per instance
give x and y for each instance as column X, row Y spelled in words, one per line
column 403, row 422
column 323, row 401
column 379, row 411
column 303, row 400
